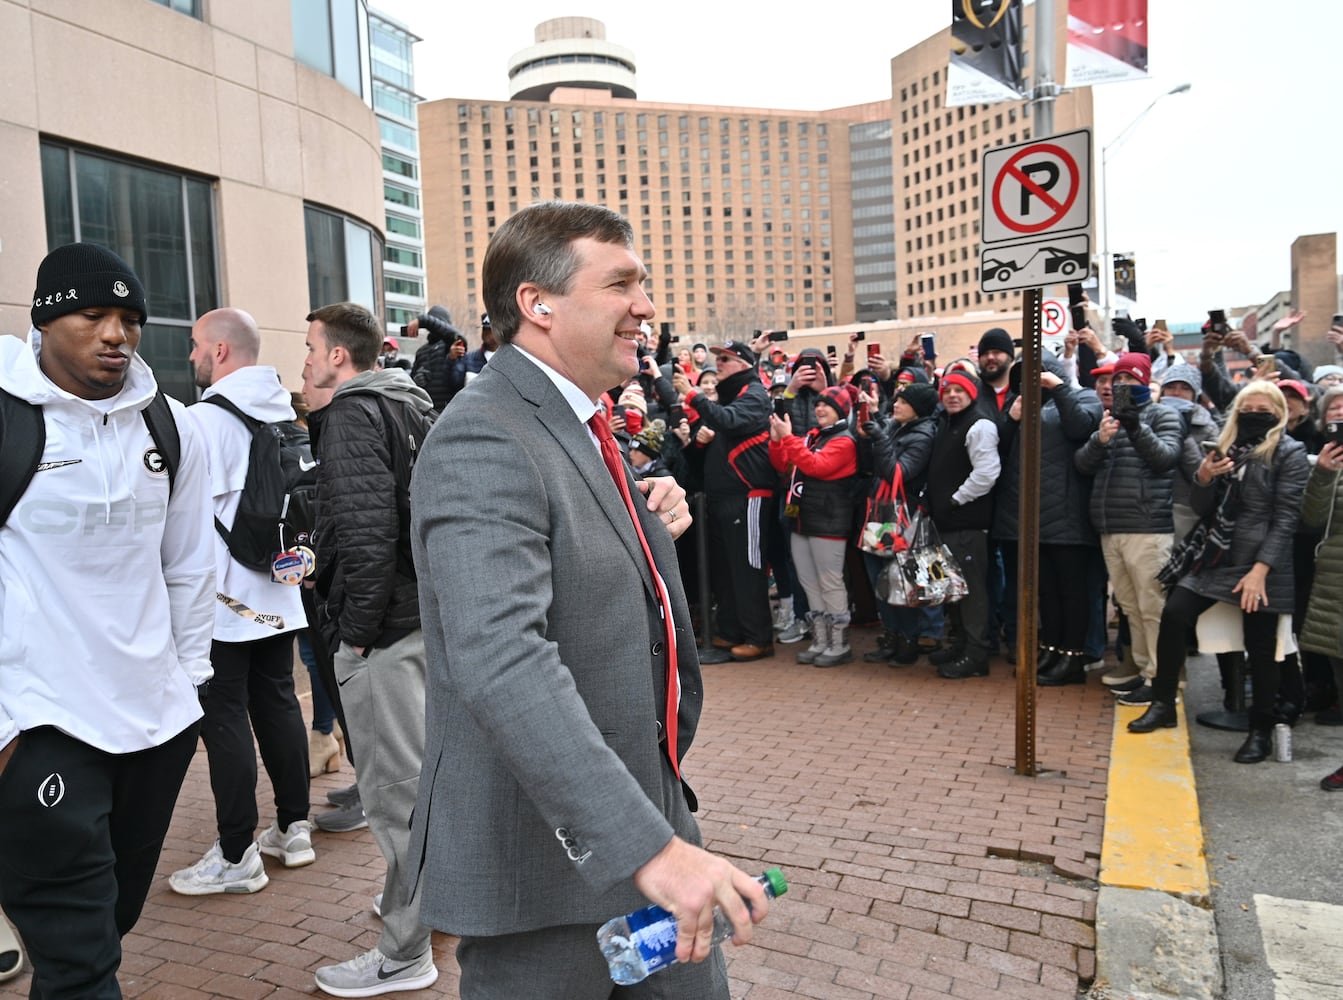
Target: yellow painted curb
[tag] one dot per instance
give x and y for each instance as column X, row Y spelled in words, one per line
column 1153, row 837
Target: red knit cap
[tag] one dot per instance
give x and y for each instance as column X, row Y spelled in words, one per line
column 838, row 397
column 964, row 381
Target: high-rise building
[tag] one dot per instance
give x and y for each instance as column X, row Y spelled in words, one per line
column 394, row 100
column 747, row 218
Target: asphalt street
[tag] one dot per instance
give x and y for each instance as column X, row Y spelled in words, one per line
column 1274, row 843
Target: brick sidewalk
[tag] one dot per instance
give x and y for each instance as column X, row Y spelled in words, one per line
column 920, row 865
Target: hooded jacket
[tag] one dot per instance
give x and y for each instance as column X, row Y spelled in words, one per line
column 367, row 591
column 1068, row 416
column 256, row 390
column 736, row 461
column 106, row 580
column 802, row 407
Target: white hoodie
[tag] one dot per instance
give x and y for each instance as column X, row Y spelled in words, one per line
column 106, row 585
column 256, row 390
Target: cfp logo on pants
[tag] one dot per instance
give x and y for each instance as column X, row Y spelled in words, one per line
column 51, row 791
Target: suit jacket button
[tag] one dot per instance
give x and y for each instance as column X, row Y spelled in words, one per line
column 657, row 649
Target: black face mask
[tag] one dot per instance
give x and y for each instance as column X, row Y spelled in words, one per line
column 1251, row 428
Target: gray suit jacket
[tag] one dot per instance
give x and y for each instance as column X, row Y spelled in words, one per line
column 544, row 786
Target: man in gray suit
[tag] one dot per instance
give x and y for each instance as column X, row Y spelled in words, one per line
column 550, row 800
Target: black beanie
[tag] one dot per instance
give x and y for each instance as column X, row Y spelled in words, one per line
column 80, row 275
column 997, row 339
column 921, row 396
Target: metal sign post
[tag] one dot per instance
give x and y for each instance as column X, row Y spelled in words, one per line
column 1028, row 531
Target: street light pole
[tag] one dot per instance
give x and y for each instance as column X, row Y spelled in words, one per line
column 1107, row 282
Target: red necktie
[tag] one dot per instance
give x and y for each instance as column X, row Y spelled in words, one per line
column 616, row 467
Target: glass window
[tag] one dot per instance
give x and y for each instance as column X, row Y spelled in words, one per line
column 393, row 102
column 404, row 227
column 394, row 164
column 162, row 223
column 402, row 256
column 331, row 36
column 192, row 8
column 400, row 196
column 397, row 135
column 342, row 264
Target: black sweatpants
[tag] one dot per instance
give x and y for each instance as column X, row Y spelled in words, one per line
column 737, row 567
column 254, row 681
column 1065, row 602
column 80, row 836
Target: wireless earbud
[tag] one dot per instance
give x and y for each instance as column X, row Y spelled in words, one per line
column 541, row 309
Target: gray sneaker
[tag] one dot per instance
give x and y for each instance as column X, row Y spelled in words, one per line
column 373, row 973
column 342, row 820
column 343, row 796
column 212, row 874
column 794, row 633
column 292, row 846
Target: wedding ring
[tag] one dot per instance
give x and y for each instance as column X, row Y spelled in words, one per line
column 671, row 516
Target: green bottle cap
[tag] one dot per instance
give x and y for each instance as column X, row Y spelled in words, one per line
column 777, row 884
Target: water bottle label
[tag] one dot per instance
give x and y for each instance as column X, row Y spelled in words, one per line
column 653, row 931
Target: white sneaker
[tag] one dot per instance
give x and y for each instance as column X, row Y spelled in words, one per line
column 783, row 617
column 373, row 973
column 293, row 846
column 212, row 874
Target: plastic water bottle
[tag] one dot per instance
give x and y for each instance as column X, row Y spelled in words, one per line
column 639, row 943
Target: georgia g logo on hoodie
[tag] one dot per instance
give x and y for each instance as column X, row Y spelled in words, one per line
column 154, row 462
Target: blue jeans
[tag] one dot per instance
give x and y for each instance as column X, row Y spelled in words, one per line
column 323, row 712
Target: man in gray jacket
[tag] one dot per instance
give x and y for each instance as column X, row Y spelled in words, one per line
column 1132, row 457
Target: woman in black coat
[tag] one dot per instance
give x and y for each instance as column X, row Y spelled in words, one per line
column 1248, row 496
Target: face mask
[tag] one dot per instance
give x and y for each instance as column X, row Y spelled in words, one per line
column 1251, row 428
column 1140, row 394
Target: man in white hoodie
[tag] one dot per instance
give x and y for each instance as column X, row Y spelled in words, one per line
column 106, row 605
column 253, row 648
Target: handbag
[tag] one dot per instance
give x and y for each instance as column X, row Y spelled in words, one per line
column 886, row 526
column 926, row 573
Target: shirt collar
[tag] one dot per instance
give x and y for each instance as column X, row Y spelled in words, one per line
column 577, row 399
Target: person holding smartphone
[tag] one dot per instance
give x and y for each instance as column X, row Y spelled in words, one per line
column 1323, row 505
column 1248, row 492
column 1131, row 458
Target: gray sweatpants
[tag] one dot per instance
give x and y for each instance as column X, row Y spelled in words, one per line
column 383, row 697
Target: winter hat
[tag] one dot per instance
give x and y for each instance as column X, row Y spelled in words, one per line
column 1292, row 385
column 649, row 440
column 838, row 397
column 1187, row 374
column 997, row 339
column 921, row 397
column 1135, row 364
column 1324, row 371
column 967, row 382
column 80, row 275
column 633, row 396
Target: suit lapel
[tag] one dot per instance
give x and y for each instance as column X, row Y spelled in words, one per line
column 557, row 417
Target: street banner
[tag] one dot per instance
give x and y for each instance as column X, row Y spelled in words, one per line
column 1107, row 41
column 986, row 58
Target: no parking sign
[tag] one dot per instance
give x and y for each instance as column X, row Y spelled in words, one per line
column 1036, row 226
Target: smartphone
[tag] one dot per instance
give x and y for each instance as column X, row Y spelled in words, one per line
column 1075, row 306
column 873, row 350
column 778, row 335
column 867, row 384
column 783, row 407
column 860, row 335
column 832, row 352
column 1266, row 366
column 928, row 341
column 1333, row 431
column 1337, row 320
column 1122, row 404
column 1217, row 322
column 405, row 331
column 677, row 414
column 1210, row 448
column 1160, row 325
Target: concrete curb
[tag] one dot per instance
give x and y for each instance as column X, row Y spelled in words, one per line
column 1155, row 933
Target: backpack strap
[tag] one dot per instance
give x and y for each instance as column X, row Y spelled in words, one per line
column 23, row 436
column 162, row 425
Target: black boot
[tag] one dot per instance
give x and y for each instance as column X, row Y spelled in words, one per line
column 885, row 647
column 1159, row 715
column 1071, row 668
column 1049, row 658
column 905, row 651
column 949, row 653
column 1257, row 746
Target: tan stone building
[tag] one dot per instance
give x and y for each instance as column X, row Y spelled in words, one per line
column 747, row 218
column 228, row 152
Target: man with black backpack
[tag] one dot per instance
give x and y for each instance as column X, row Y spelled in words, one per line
column 106, row 598
column 243, row 416
column 368, row 610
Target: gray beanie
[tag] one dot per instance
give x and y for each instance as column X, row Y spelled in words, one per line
column 1183, row 372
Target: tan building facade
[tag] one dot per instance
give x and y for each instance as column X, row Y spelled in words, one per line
column 193, row 141
column 740, row 214
column 1315, row 291
column 747, row 218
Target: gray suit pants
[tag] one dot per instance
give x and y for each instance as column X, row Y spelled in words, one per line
column 383, row 697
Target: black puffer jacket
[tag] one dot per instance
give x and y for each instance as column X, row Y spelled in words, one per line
column 1270, row 507
column 434, row 370
column 910, row 445
column 1131, row 490
column 1068, row 416
column 366, row 439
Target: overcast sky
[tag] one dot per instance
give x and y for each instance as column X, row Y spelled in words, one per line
column 1209, row 191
